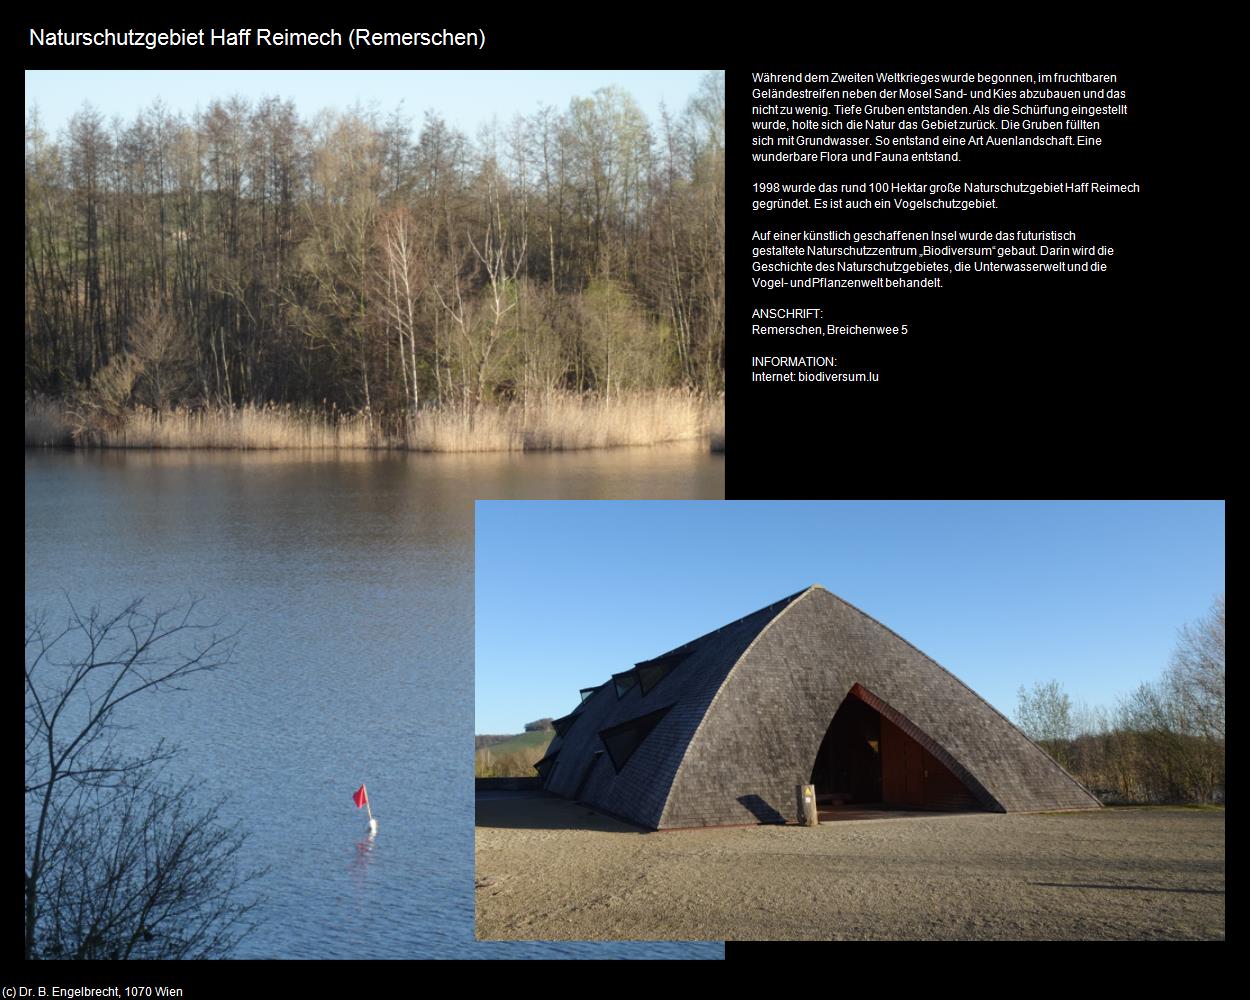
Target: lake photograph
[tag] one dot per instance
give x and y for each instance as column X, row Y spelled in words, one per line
column 282, row 330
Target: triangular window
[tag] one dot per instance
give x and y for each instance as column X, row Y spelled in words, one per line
column 651, row 672
column 624, row 681
column 545, row 766
column 565, row 723
column 622, row 740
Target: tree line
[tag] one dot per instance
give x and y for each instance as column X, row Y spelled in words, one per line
column 246, row 255
column 1162, row 743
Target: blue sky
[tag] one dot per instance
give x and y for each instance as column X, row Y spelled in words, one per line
column 466, row 99
column 1000, row 593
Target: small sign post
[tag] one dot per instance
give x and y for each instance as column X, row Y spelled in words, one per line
column 807, row 805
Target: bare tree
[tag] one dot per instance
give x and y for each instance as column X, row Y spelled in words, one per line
column 1045, row 716
column 401, row 290
column 120, row 863
column 161, row 354
column 481, row 339
column 1196, row 673
column 1164, row 742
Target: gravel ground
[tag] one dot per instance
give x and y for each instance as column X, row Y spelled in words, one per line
column 550, row 869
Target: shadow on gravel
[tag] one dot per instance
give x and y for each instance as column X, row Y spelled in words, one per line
column 542, row 811
column 1139, row 888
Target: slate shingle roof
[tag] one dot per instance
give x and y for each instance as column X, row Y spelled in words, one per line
column 750, row 703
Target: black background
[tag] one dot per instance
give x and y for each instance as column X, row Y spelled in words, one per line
column 1009, row 385
column 1103, row 384
column 1110, row 384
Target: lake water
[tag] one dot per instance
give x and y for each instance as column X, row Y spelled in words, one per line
column 351, row 582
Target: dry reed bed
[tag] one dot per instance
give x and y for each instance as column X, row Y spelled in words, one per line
column 558, row 423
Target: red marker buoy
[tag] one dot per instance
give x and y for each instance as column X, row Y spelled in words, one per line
column 361, row 798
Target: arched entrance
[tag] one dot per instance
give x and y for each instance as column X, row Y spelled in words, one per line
column 872, row 757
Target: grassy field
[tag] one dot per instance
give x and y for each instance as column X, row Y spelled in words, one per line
column 525, row 742
column 561, row 422
column 512, row 758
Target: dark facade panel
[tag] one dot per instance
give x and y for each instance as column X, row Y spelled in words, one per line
column 915, row 778
column 950, row 780
column 596, row 761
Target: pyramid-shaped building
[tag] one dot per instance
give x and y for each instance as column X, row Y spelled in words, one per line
column 810, row 689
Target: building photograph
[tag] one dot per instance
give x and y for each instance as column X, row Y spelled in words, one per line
column 972, row 720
